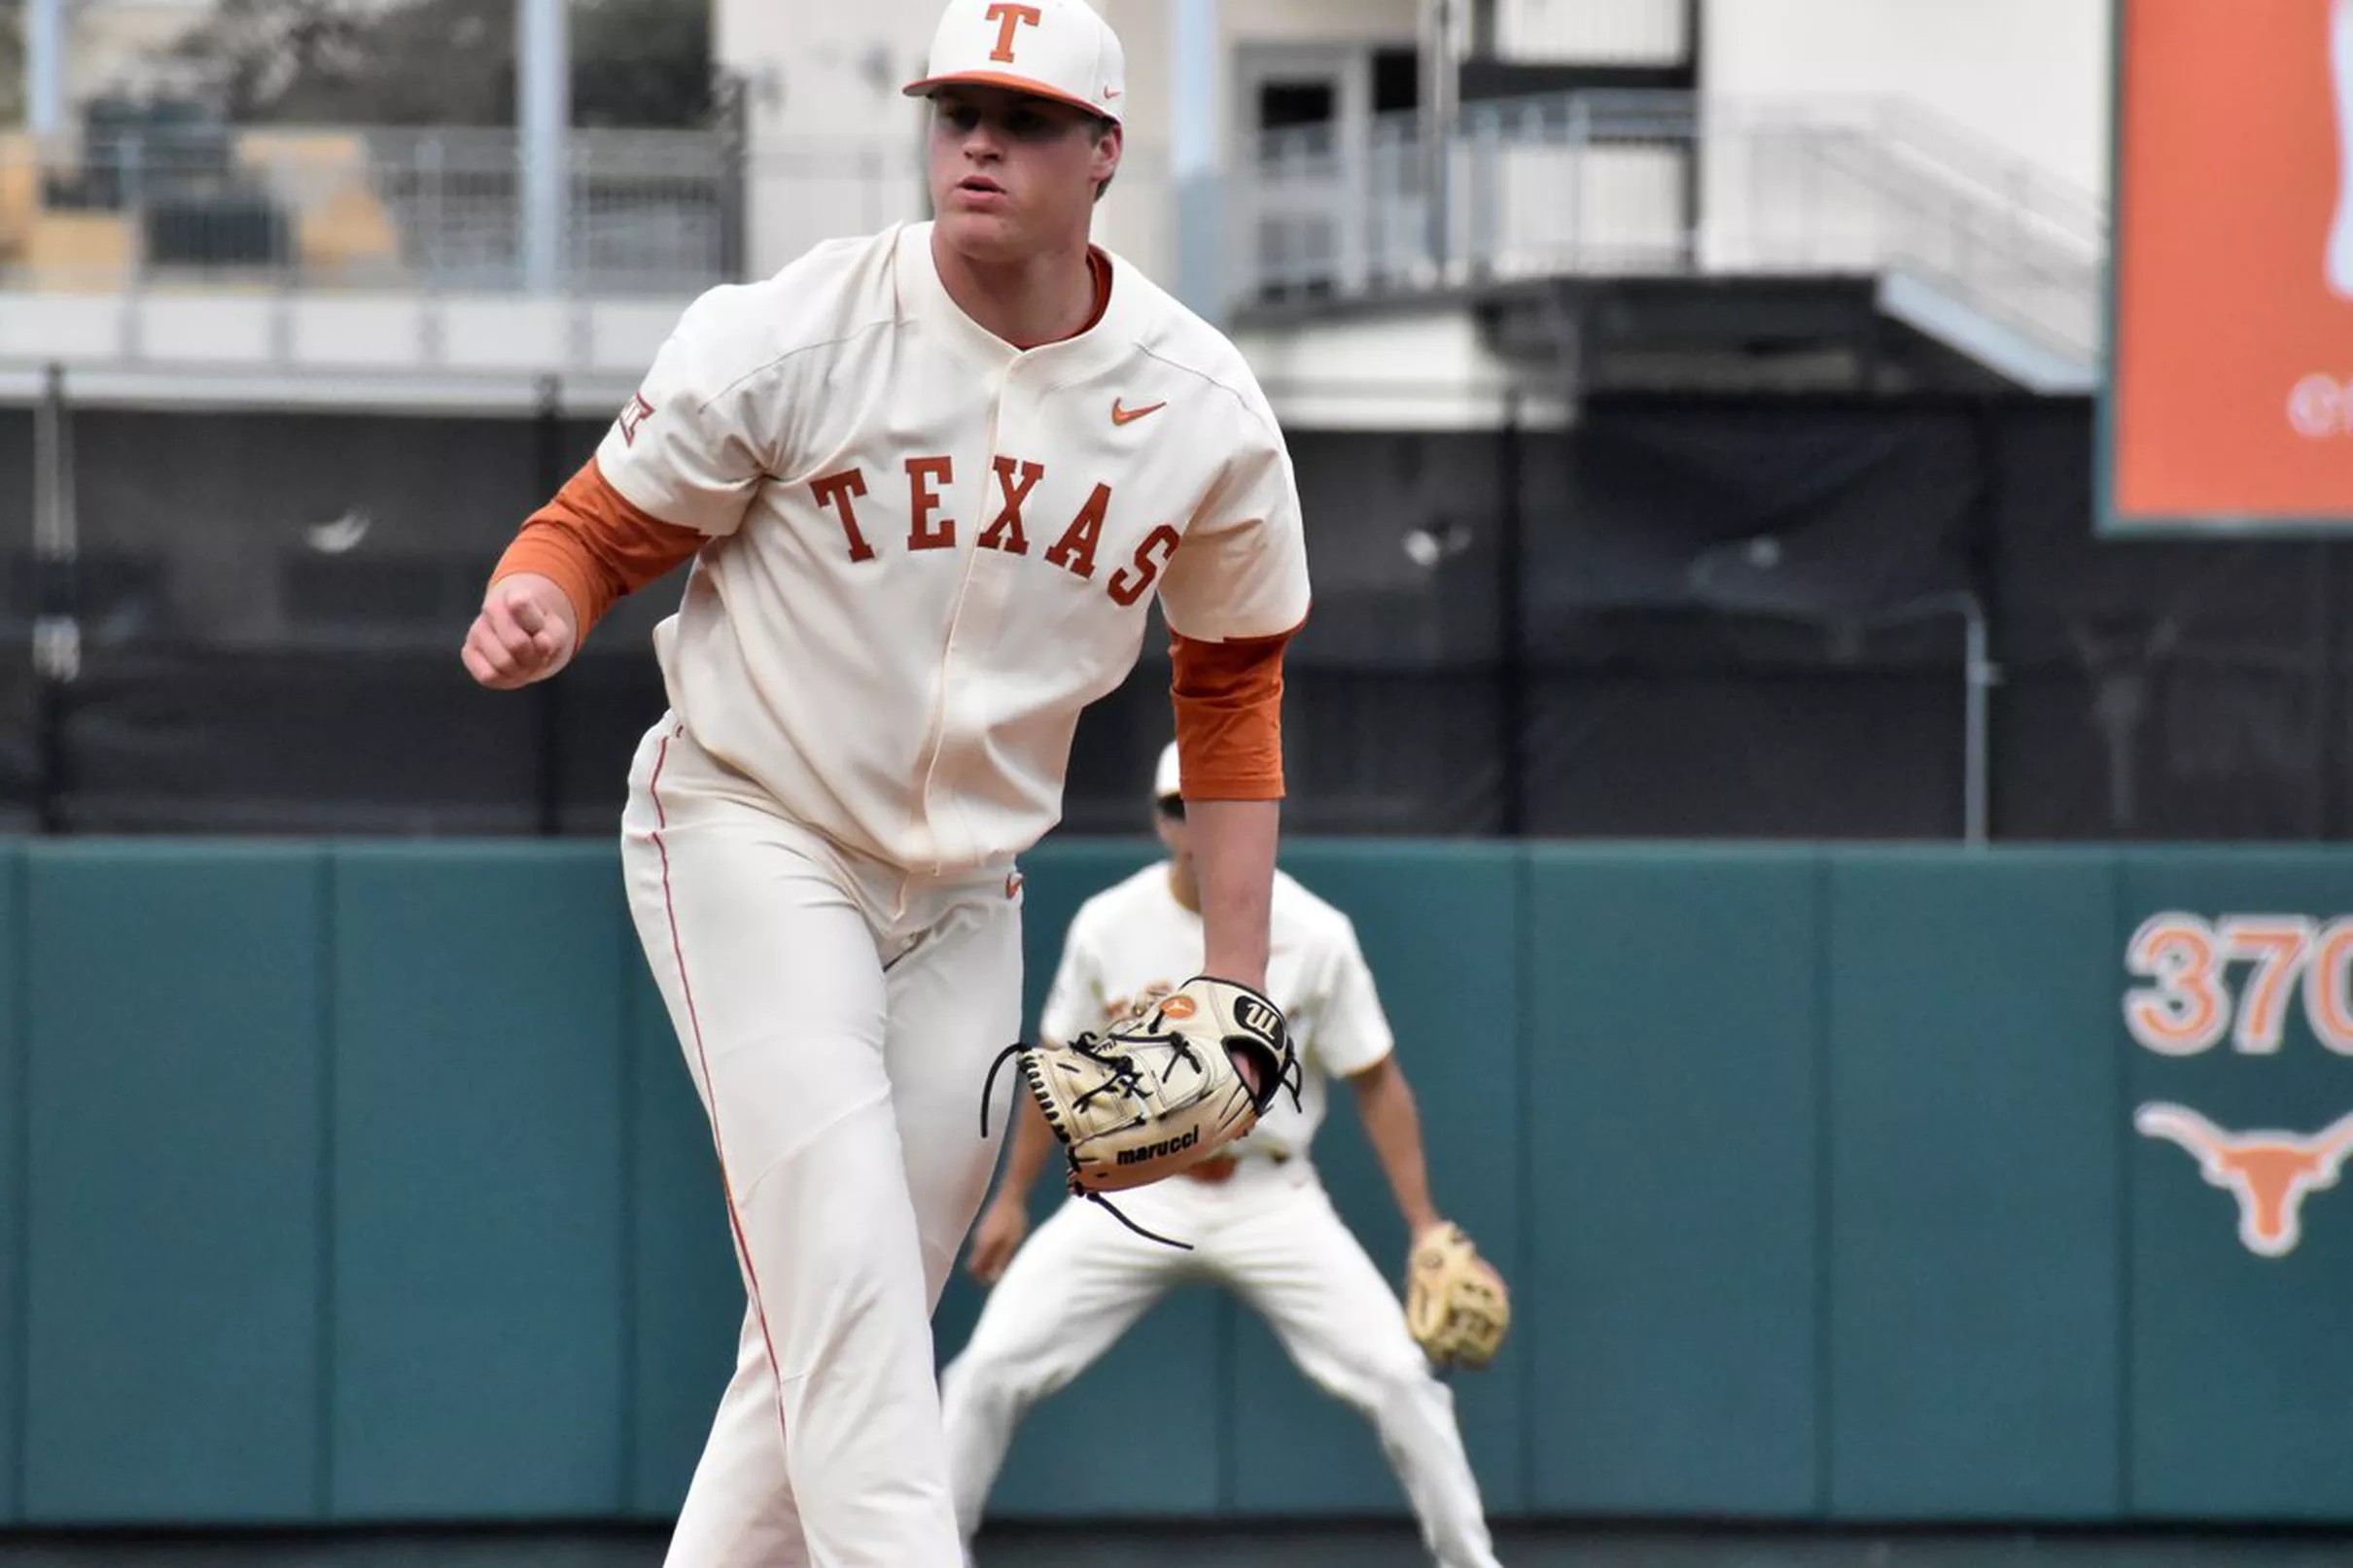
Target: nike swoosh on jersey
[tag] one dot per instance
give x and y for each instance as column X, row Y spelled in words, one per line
column 1129, row 416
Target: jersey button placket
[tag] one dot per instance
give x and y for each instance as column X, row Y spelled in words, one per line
column 980, row 611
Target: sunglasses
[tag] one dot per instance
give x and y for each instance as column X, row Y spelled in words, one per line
column 1172, row 807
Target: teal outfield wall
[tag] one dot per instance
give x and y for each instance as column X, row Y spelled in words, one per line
column 363, row 1183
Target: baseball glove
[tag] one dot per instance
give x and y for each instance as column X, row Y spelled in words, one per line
column 1157, row 1090
column 1454, row 1302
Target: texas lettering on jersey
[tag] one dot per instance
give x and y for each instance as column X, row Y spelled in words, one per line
column 1074, row 548
column 919, row 550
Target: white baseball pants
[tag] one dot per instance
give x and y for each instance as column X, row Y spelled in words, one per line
column 1271, row 1234
column 838, row 1018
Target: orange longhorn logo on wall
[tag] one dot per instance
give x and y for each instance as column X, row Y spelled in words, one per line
column 2245, row 978
column 2231, row 393
column 2269, row 1172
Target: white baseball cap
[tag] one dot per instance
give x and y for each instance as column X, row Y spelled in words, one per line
column 1055, row 49
column 1165, row 782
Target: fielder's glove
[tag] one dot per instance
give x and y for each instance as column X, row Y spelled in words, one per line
column 1157, row 1090
column 1454, row 1302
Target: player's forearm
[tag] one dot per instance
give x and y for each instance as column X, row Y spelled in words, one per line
column 1234, row 856
column 1032, row 1145
column 595, row 546
column 1392, row 1124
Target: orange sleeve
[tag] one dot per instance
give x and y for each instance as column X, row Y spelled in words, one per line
column 595, row 545
column 1229, row 716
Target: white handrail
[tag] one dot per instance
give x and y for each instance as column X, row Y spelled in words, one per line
column 1648, row 182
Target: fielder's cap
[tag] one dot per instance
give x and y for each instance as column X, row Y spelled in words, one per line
column 1166, row 784
column 1055, row 49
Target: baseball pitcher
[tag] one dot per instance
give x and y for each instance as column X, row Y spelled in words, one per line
column 930, row 481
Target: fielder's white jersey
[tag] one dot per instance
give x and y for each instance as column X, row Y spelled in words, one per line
column 1134, row 937
column 932, row 549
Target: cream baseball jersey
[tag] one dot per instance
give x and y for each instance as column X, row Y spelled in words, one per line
column 1134, row 938
column 928, row 549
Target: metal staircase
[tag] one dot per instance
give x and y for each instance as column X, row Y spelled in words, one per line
column 1956, row 242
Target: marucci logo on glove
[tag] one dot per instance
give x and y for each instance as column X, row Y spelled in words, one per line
column 1157, row 1151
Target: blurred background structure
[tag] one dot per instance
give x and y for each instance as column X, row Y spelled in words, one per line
column 1672, row 384
column 1848, row 754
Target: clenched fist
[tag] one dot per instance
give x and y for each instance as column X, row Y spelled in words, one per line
column 526, row 631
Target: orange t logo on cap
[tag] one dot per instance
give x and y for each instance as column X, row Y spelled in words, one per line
column 1008, row 17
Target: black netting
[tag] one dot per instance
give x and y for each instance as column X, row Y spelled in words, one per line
column 20, row 697
column 1731, row 617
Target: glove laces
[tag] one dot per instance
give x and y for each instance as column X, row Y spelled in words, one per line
column 1124, row 1079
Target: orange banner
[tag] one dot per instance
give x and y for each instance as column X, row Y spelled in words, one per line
column 2232, row 402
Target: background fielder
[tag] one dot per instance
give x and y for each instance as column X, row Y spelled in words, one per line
column 1257, row 1217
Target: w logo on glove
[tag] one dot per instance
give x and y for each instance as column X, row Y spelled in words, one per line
column 1257, row 1015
